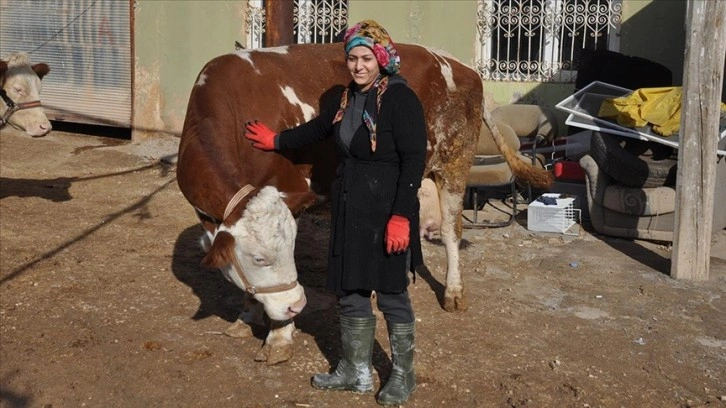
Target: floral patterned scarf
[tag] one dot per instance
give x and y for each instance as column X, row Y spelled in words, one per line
column 372, row 107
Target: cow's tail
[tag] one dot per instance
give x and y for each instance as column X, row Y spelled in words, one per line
column 527, row 173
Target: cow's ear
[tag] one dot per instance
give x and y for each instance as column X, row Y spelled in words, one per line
column 41, row 70
column 221, row 252
column 297, row 202
column 3, row 66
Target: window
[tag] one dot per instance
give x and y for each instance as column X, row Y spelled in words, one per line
column 315, row 21
column 542, row 40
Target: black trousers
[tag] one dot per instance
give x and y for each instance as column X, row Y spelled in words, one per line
column 396, row 307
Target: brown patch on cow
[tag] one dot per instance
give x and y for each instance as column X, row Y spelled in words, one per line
column 41, row 70
column 221, row 252
column 298, row 202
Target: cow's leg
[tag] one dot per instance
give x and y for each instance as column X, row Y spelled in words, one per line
column 251, row 309
column 278, row 346
column 239, row 329
column 451, row 227
column 252, row 313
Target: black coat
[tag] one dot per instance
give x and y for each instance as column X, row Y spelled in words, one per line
column 369, row 188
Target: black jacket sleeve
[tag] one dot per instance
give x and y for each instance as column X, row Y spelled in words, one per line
column 315, row 130
column 409, row 135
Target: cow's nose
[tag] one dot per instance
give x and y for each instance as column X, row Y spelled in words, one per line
column 40, row 131
column 297, row 307
column 293, row 311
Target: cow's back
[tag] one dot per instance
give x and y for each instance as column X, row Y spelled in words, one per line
column 286, row 86
column 215, row 159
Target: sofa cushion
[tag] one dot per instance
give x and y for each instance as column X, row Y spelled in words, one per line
column 639, row 201
column 531, row 122
column 489, row 171
column 487, row 146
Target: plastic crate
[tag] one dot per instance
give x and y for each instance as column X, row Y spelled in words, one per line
column 560, row 217
column 573, row 189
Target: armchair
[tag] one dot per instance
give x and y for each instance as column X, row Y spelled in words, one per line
column 640, row 212
column 490, row 172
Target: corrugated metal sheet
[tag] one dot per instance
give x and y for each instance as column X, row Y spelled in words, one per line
column 87, row 44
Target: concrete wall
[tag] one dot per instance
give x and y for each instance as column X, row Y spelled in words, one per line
column 656, row 30
column 173, row 41
column 175, row 38
column 422, row 22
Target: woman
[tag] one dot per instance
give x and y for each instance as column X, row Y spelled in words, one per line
column 380, row 135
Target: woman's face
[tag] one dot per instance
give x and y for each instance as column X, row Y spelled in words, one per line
column 363, row 66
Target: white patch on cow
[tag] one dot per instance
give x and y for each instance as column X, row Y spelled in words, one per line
column 279, row 337
column 247, row 54
column 446, row 72
column 450, row 205
column 441, row 130
column 448, row 75
column 307, row 110
column 206, row 240
column 429, row 209
column 274, row 50
column 265, row 246
column 202, row 79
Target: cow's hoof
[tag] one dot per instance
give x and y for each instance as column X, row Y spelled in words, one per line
column 239, row 330
column 275, row 355
column 454, row 303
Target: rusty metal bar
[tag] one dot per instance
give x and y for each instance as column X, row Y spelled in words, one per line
column 280, row 22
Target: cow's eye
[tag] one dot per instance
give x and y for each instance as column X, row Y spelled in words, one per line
column 260, row 260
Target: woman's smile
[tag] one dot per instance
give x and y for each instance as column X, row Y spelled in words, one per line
column 363, row 66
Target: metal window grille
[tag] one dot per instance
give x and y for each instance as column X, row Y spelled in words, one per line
column 542, row 40
column 315, row 21
column 255, row 24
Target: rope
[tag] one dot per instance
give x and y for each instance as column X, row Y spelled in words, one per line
column 64, row 28
column 242, row 193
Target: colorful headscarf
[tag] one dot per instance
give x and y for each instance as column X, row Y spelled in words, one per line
column 370, row 34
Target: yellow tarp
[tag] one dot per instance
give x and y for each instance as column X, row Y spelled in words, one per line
column 661, row 107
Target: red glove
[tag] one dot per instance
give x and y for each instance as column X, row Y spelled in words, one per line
column 261, row 136
column 398, row 234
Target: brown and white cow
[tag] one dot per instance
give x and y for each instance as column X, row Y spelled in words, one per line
column 284, row 87
column 20, row 95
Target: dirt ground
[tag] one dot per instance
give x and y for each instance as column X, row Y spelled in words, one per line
column 103, row 304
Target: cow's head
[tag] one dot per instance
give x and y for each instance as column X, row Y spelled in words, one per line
column 263, row 243
column 20, row 103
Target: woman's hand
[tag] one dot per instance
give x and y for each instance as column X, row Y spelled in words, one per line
column 398, row 234
column 261, row 136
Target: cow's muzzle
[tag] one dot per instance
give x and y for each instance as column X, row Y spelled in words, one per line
column 14, row 107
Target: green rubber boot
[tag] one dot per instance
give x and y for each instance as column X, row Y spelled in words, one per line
column 355, row 370
column 402, row 381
